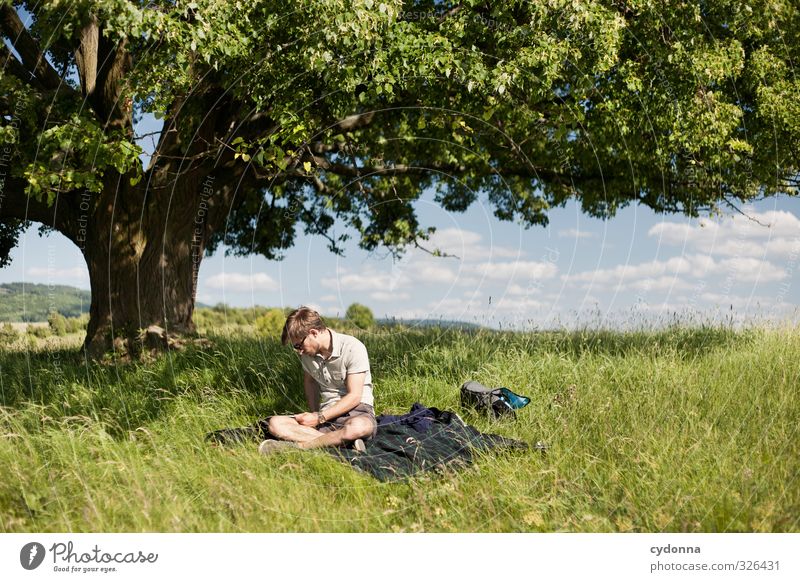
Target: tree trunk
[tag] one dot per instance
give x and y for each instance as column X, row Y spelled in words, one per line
column 143, row 253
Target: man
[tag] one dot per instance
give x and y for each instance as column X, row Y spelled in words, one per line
column 338, row 388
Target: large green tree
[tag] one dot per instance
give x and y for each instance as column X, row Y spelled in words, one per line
column 280, row 116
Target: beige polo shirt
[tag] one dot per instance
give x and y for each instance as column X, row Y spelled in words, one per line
column 349, row 356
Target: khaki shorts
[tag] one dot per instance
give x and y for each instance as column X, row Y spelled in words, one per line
column 360, row 410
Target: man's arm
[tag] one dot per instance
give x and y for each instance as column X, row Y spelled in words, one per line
column 312, row 391
column 355, row 387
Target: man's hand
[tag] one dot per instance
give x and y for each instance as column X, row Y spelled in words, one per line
column 307, row 419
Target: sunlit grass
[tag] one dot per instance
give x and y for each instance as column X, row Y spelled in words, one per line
column 675, row 430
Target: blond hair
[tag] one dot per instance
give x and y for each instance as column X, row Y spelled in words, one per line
column 299, row 323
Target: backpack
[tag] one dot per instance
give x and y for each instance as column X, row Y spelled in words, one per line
column 501, row 401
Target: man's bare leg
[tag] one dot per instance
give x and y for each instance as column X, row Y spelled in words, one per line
column 354, row 428
column 288, row 429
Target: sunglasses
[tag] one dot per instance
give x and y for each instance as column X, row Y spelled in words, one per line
column 299, row 345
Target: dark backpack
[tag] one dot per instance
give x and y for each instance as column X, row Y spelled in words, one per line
column 501, row 401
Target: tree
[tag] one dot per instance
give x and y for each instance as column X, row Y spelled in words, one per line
column 270, row 325
column 57, row 323
column 7, row 333
column 360, row 316
column 279, row 116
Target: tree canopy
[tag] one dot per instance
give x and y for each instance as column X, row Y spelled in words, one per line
column 285, row 116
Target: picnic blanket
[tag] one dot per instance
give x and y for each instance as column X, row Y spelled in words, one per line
column 424, row 439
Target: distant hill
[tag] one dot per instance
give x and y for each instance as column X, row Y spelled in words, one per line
column 38, row 301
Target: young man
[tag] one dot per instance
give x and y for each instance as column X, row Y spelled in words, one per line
column 338, row 387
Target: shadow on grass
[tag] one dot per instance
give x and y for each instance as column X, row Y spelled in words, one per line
column 262, row 377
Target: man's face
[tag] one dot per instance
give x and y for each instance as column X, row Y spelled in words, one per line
column 309, row 345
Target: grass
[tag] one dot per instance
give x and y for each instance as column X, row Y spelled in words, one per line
column 671, row 430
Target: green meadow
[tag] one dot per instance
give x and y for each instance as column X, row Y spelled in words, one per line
column 683, row 429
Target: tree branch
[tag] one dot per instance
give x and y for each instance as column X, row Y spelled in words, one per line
column 11, row 65
column 450, row 13
column 113, row 61
column 32, row 57
column 320, row 186
column 433, row 253
column 740, row 211
column 323, row 148
column 15, row 203
column 396, row 170
column 352, row 122
column 86, row 56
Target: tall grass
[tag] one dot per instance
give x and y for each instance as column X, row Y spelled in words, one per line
column 675, row 430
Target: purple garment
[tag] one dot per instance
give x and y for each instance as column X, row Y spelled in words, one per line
column 420, row 418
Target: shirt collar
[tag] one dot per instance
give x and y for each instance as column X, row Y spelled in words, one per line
column 336, row 344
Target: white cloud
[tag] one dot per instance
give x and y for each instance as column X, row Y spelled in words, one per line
column 665, row 283
column 620, row 273
column 747, row 269
column 204, row 298
column 329, row 298
column 328, row 310
column 388, row 296
column 515, row 289
column 242, row 282
column 574, row 233
column 784, row 247
column 636, row 276
column 433, row 274
column 367, row 280
column 721, row 299
column 403, row 274
column 772, row 233
column 418, row 269
column 514, row 270
column 518, row 305
column 52, row 274
column 468, row 245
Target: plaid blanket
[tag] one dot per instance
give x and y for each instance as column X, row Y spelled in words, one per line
column 424, row 439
